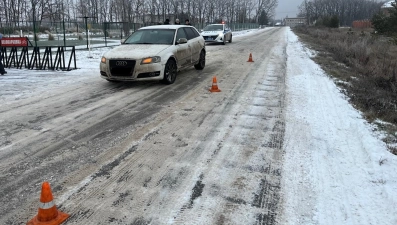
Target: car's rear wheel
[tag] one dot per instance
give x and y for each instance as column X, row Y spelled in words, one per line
column 170, row 72
column 201, row 63
column 230, row 40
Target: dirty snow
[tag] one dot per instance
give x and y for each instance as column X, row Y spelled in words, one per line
column 336, row 170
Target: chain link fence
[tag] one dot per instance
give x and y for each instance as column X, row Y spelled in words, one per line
column 83, row 34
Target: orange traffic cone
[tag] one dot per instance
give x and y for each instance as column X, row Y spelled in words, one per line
column 250, row 58
column 48, row 213
column 214, row 87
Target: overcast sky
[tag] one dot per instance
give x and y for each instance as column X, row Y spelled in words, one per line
column 287, row 8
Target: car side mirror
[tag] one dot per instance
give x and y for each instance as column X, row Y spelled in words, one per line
column 182, row 41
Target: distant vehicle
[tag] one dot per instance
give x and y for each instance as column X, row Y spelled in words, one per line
column 154, row 53
column 217, row 33
column 278, row 24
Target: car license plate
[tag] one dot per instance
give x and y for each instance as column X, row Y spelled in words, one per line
column 210, row 39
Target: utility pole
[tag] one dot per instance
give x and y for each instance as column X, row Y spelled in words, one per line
column 86, row 27
column 34, row 24
column 63, row 23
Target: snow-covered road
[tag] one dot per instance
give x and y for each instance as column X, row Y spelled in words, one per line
column 279, row 145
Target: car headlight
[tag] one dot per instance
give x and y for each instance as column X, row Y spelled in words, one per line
column 155, row 59
column 103, row 60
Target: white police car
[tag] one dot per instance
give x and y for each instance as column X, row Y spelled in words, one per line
column 219, row 33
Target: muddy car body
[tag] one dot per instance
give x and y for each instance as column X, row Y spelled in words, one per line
column 154, row 53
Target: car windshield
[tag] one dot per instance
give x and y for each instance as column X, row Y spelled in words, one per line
column 152, row 36
column 213, row 27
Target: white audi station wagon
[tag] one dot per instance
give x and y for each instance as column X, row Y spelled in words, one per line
column 154, row 53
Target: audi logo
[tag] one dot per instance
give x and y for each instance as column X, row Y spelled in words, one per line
column 121, row 63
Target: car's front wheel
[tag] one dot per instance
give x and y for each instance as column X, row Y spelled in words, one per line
column 170, row 72
column 201, row 63
column 230, row 40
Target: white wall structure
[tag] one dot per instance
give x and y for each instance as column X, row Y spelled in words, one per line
column 293, row 22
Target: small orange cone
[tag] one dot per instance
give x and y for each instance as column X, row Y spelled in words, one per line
column 250, row 58
column 214, row 87
column 48, row 213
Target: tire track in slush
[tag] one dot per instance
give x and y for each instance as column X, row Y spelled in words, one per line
column 160, row 177
column 60, row 147
column 262, row 114
column 145, row 179
column 258, row 199
column 180, row 218
column 267, row 197
column 35, row 175
column 152, row 160
column 140, row 204
column 167, row 176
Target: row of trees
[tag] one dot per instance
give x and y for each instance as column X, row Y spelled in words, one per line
column 345, row 10
column 135, row 11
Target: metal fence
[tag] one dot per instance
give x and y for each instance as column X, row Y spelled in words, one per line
column 84, row 34
column 51, row 58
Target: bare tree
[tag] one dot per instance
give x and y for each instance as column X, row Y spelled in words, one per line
column 346, row 10
column 143, row 11
column 267, row 6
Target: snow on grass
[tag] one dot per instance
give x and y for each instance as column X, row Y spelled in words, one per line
column 336, row 170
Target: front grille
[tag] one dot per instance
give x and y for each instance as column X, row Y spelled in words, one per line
column 122, row 67
column 211, row 37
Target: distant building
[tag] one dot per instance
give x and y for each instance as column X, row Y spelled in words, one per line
column 293, row 22
column 361, row 24
column 385, row 7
